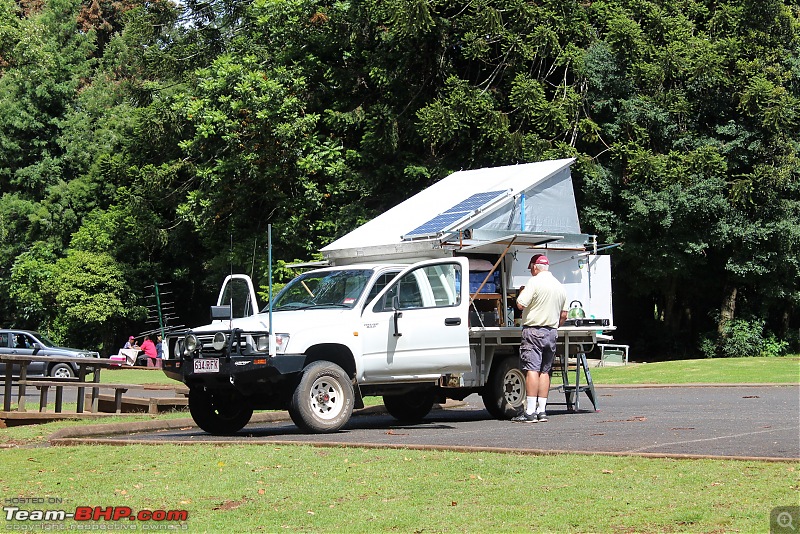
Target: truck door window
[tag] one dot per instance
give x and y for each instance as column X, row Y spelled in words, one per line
column 409, row 292
column 442, row 279
column 425, row 287
column 380, row 283
column 237, row 293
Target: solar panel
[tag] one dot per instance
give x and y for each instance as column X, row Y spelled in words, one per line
column 459, row 211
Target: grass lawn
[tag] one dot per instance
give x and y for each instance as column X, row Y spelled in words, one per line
column 717, row 371
column 125, row 375
column 273, row 488
column 302, row 488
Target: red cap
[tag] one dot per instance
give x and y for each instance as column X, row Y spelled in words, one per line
column 539, row 259
column 130, row 338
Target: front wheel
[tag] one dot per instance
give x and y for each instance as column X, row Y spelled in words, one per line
column 412, row 406
column 504, row 393
column 221, row 413
column 323, row 400
column 62, row 370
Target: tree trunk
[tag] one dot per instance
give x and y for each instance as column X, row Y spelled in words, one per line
column 784, row 324
column 671, row 311
column 728, row 310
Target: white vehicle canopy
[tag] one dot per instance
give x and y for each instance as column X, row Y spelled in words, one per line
column 510, row 212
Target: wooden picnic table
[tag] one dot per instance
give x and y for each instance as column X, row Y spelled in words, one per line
column 85, row 366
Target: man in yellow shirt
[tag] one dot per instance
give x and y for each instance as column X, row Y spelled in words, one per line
column 543, row 302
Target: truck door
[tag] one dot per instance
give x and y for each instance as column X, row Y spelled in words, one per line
column 416, row 327
column 238, row 293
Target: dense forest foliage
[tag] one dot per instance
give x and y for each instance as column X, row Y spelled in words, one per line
column 145, row 142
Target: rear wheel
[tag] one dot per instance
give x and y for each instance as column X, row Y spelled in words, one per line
column 323, row 400
column 411, row 406
column 504, row 393
column 62, row 370
column 219, row 412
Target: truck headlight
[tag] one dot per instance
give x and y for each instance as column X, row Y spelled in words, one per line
column 190, row 343
column 180, row 349
column 219, row 341
column 281, row 342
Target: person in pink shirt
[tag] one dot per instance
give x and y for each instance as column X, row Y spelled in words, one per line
column 149, row 349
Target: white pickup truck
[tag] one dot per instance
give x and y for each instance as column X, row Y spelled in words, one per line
column 344, row 333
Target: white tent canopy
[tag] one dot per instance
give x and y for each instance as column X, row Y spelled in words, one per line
column 480, row 205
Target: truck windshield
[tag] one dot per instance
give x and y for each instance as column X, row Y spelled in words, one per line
column 323, row 289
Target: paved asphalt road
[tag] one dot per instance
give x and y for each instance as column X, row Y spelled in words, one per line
column 732, row 421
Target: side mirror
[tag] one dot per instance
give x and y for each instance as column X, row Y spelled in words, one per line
column 222, row 313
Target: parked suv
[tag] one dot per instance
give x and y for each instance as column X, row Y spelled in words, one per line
column 28, row 342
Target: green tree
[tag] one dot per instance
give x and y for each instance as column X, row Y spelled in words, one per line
column 692, row 96
column 155, row 140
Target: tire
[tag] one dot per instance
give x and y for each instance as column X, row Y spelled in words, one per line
column 412, row 406
column 62, row 370
column 323, row 400
column 504, row 393
column 221, row 413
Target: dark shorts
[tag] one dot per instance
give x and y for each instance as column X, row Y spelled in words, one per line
column 538, row 348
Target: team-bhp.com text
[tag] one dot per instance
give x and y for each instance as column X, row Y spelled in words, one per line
column 85, row 514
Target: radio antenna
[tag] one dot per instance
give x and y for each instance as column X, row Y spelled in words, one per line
column 230, row 299
column 272, row 347
column 253, row 263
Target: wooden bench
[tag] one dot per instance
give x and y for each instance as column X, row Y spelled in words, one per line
column 86, row 366
column 142, row 404
column 21, row 385
column 60, row 383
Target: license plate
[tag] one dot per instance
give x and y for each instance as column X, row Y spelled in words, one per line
column 206, row 365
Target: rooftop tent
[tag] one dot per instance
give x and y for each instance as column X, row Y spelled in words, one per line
column 480, row 205
column 548, row 206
